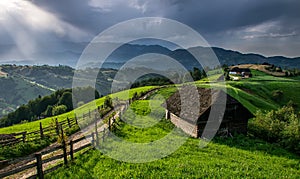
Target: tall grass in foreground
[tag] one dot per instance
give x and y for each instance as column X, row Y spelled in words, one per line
column 238, row 157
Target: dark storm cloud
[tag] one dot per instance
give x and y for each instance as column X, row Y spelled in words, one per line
column 76, row 12
column 269, row 27
column 206, row 16
column 212, row 16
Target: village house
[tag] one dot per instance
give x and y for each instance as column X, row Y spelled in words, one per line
column 243, row 72
column 3, row 74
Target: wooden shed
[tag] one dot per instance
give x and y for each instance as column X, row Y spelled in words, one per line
column 235, row 119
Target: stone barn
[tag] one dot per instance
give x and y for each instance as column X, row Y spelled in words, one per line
column 235, row 119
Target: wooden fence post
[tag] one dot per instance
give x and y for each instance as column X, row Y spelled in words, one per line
column 69, row 122
column 64, row 145
column 39, row 165
column 113, row 120
column 71, row 150
column 96, row 132
column 24, row 137
column 109, row 124
column 57, row 126
column 76, row 119
column 41, row 131
column 167, row 114
column 93, row 139
column 103, row 136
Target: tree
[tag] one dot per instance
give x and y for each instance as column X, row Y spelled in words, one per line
column 66, row 99
column 204, row 74
column 277, row 95
column 23, row 113
column 108, row 102
column 280, row 126
column 196, row 74
column 60, row 109
column 47, row 100
column 35, row 106
column 48, row 111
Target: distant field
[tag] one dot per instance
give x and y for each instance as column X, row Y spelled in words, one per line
column 261, row 68
column 236, row 157
column 263, row 86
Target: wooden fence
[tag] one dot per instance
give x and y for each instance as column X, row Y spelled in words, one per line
column 15, row 138
column 51, row 130
column 64, row 151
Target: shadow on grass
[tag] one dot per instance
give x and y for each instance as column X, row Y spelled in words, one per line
column 254, row 144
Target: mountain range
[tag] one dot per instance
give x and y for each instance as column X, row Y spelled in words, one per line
column 28, row 81
column 125, row 52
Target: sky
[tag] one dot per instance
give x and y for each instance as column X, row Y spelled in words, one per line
column 43, row 31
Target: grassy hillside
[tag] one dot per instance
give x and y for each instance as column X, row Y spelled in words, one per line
column 254, row 93
column 223, row 158
column 33, row 126
column 28, row 82
column 236, row 157
column 265, row 86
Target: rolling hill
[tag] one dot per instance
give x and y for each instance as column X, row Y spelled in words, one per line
column 28, row 82
column 240, row 156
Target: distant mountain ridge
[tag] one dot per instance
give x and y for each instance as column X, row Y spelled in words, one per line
column 125, row 52
column 27, row 82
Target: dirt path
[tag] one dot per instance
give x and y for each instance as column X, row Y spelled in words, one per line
column 83, row 132
column 31, row 158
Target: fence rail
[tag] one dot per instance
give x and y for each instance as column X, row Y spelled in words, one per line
column 37, row 161
column 22, row 137
column 60, row 152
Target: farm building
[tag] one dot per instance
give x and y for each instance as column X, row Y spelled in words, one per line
column 3, row 74
column 235, row 119
column 244, row 72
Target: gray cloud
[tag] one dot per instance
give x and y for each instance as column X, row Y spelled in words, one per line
column 269, row 27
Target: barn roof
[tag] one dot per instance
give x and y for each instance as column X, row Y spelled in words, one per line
column 207, row 97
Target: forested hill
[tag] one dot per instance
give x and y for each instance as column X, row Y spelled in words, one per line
column 59, row 102
column 25, row 83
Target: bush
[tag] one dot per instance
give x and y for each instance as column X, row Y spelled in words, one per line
column 277, row 95
column 57, row 110
column 281, row 126
column 22, row 149
column 108, row 102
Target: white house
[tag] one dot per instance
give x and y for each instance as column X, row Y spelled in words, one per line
column 3, row 74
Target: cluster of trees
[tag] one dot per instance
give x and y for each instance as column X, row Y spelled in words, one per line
column 292, row 72
column 280, row 126
column 197, row 74
column 288, row 72
column 57, row 103
column 273, row 68
column 226, row 72
column 155, row 81
column 158, row 80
